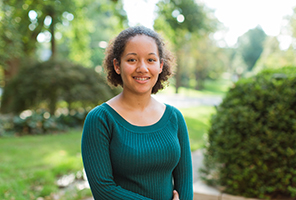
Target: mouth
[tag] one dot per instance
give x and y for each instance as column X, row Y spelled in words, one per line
column 142, row 78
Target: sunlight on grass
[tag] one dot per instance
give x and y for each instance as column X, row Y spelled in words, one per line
column 30, row 165
column 198, row 122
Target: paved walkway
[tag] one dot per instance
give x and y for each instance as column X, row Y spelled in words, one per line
column 181, row 101
column 198, row 185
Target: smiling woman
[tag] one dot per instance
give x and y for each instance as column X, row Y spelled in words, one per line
column 140, row 64
column 134, row 147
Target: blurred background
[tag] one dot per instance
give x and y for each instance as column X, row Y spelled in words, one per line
column 211, row 39
column 51, row 74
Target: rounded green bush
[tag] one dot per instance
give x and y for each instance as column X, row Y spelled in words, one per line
column 251, row 148
column 44, row 84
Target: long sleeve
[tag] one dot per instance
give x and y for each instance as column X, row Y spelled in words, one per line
column 183, row 177
column 96, row 159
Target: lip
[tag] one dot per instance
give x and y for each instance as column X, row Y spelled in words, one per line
column 141, row 79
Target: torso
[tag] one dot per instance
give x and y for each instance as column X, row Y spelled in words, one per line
column 143, row 157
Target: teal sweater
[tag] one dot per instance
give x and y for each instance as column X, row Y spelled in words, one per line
column 124, row 161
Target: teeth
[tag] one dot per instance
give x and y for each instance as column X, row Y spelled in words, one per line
column 141, row 79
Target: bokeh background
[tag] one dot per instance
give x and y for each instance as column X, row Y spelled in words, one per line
column 51, row 74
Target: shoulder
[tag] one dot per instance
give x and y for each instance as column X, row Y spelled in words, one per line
column 98, row 110
column 176, row 117
column 174, row 111
column 99, row 120
column 99, row 113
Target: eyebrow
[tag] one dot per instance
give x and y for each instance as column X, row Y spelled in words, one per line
column 136, row 54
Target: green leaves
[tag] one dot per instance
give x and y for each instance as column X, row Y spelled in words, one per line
column 45, row 84
column 252, row 139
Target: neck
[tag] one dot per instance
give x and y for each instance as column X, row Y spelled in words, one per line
column 135, row 101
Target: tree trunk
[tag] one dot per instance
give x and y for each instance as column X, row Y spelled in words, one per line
column 178, row 74
column 199, row 81
column 52, row 31
column 10, row 71
column 178, row 78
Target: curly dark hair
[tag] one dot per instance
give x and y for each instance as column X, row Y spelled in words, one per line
column 116, row 48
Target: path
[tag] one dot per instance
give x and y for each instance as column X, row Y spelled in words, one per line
column 198, row 185
column 181, row 101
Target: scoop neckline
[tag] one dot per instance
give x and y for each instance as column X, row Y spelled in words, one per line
column 143, row 129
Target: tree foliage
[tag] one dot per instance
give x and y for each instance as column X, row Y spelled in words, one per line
column 273, row 57
column 250, row 46
column 45, row 84
column 97, row 22
column 71, row 29
column 27, row 20
column 292, row 23
column 72, row 20
column 183, row 23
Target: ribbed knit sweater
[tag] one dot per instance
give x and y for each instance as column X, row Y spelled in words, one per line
column 125, row 161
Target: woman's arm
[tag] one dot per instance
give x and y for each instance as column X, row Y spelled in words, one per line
column 96, row 159
column 183, row 179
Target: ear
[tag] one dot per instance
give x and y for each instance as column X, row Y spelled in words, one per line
column 116, row 66
column 161, row 66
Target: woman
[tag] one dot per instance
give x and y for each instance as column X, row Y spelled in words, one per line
column 134, row 147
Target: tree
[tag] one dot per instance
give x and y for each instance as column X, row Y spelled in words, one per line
column 22, row 22
column 179, row 21
column 292, row 23
column 25, row 22
column 209, row 60
column 115, row 20
column 73, row 20
column 250, row 46
column 273, row 56
column 84, row 39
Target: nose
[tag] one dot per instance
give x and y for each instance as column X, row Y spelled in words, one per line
column 142, row 67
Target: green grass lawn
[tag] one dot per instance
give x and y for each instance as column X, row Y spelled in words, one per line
column 30, row 165
column 198, row 122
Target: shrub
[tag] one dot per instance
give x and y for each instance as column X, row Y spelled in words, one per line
column 6, row 124
column 46, row 83
column 251, row 148
column 30, row 122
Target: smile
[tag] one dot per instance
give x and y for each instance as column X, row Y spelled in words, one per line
column 141, row 79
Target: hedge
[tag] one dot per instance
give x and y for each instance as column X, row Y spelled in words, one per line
column 251, row 149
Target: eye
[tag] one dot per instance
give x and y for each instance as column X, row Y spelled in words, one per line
column 131, row 60
column 151, row 60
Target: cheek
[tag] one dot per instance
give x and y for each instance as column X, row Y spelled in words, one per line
column 126, row 71
column 157, row 70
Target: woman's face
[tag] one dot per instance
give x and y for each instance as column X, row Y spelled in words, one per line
column 140, row 65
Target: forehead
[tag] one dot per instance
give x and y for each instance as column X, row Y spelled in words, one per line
column 141, row 41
